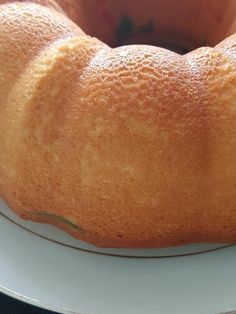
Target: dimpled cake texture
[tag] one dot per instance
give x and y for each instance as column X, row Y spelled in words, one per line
column 133, row 146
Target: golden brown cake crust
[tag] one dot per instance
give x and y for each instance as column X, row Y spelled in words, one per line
column 132, row 146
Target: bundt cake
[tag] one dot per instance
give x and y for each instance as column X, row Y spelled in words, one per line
column 112, row 139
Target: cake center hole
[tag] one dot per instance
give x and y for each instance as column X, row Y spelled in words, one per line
column 128, row 33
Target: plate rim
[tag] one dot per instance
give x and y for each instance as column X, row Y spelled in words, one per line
column 61, row 309
column 31, row 301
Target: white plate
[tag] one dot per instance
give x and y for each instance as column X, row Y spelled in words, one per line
column 45, row 267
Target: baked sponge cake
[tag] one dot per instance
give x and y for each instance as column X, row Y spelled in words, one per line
column 111, row 138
